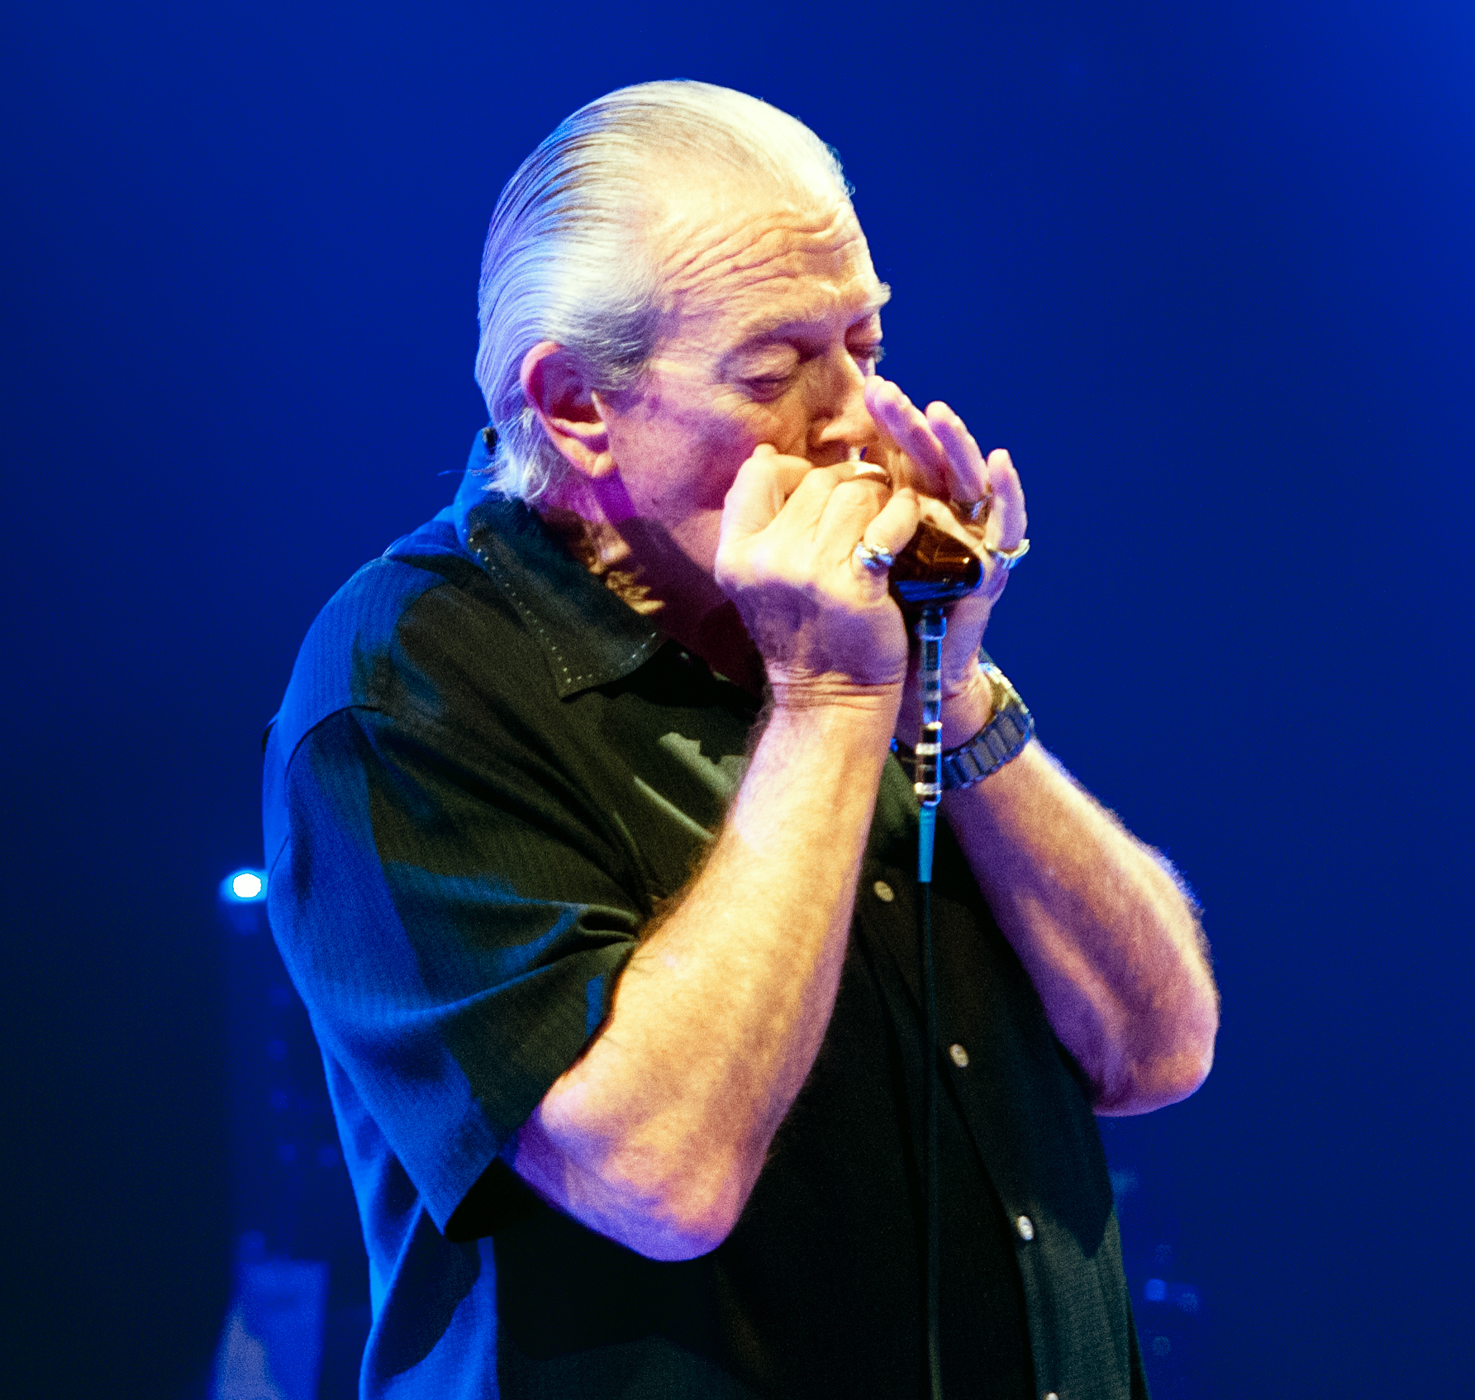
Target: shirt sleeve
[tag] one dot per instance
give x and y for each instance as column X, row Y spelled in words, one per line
column 456, row 937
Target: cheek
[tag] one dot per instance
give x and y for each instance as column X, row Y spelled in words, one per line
column 696, row 454
column 678, row 477
column 719, row 450
column 783, row 423
column 683, row 445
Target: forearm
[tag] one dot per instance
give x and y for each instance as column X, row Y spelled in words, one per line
column 1102, row 927
column 656, row 1136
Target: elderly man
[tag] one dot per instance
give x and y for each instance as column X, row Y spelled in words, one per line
column 592, row 860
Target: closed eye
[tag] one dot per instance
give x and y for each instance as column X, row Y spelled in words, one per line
column 767, row 385
column 770, row 385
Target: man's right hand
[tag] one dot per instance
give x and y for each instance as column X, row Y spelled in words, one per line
column 827, row 629
column 657, row 1134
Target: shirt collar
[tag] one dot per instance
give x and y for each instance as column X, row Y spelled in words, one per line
column 588, row 635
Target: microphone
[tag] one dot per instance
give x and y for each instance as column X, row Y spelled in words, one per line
column 934, row 567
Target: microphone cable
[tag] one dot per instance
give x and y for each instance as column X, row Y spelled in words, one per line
column 927, row 782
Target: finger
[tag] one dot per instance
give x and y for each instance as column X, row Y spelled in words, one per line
column 758, row 492
column 849, row 508
column 897, row 522
column 909, row 429
column 810, row 500
column 968, row 478
column 856, row 470
column 1007, row 520
column 854, row 502
column 891, row 531
column 858, row 481
column 907, row 426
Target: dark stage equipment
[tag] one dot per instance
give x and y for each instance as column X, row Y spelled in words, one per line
column 297, row 1322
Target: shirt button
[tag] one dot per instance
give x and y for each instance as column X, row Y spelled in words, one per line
column 1026, row 1227
column 883, row 891
column 960, row 1056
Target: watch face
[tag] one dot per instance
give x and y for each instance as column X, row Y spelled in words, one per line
column 1004, row 693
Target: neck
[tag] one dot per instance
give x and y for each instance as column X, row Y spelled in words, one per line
column 639, row 561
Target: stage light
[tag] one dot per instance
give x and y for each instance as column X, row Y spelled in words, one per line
column 244, row 887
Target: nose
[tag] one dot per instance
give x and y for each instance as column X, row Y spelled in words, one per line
column 838, row 415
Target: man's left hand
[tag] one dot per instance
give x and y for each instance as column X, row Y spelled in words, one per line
column 935, row 453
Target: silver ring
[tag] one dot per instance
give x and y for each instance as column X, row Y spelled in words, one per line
column 873, row 558
column 1006, row 558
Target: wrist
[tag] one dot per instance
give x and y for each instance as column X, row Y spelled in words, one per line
column 845, row 724
column 1000, row 739
column 817, row 764
column 833, row 694
column 967, row 707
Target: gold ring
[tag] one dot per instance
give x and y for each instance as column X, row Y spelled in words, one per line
column 1006, row 558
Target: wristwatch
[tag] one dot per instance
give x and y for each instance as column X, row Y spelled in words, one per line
column 1001, row 739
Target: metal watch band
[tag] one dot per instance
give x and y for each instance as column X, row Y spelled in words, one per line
column 1001, row 739
column 991, row 748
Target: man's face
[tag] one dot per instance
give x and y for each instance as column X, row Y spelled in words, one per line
column 774, row 324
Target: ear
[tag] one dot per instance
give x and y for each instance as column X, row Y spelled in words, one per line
column 557, row 389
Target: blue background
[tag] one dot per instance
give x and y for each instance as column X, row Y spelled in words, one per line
column 1205, row 269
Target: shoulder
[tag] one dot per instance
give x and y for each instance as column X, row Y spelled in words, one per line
column 396, row 636
column 419, row 643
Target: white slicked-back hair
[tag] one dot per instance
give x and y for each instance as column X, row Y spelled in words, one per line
column 566, row 256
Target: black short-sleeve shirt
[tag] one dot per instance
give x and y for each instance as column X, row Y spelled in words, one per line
column 486, row 773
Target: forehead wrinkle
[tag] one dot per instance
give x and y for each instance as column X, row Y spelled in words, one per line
column 807, row 303
column 739, row 260
column 769, row 325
